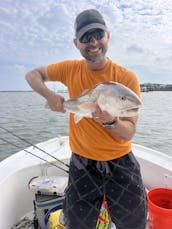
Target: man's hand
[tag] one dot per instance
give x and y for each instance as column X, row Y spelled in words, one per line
column 126, row 127
column 102, row 116
column 55, row 102
column 36, row 79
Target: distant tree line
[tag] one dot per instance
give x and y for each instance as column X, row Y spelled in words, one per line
column 145, row 87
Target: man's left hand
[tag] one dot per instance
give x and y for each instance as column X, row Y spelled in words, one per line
column 102, row 116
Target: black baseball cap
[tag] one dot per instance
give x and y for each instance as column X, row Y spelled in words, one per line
column 89, row 19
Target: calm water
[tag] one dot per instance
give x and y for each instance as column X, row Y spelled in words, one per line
column 24, row 114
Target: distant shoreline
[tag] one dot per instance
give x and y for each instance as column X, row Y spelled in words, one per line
column 145, row 87
column 16, row 91
column 60, row 91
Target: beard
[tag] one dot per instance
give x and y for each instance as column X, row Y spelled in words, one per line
column 93, row 53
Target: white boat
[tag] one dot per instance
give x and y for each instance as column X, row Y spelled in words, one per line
column 16, row 200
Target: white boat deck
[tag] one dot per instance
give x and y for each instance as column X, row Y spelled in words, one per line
column 17, row 170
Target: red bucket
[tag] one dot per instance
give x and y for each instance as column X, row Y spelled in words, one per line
column 160, row 208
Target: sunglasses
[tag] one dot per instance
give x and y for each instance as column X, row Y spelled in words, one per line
column 98, row 34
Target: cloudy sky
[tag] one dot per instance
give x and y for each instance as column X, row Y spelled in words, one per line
column 35, row 33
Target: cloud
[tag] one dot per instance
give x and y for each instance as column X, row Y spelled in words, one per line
column 134, row 49
column 20, row 68
column 35, row 33
column 12, row 77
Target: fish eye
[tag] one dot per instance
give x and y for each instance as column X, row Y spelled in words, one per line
column 123, row 98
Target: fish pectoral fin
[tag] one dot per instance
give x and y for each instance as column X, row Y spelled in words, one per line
column 77, row 118
column 87, row 106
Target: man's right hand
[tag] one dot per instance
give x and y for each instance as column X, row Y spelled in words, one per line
column 36, row 79
column 55, row 102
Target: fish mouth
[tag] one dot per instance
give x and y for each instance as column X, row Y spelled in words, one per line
column 131, row 110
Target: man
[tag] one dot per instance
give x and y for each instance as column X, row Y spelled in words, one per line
column 102, row 162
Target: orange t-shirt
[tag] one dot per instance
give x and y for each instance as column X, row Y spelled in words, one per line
column 88, row 138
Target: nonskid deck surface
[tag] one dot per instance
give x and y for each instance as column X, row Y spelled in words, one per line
column 26, row 222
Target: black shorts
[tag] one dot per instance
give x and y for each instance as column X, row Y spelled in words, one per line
column 120, row 180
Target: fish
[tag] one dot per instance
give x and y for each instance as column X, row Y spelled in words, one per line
column 115, row 98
